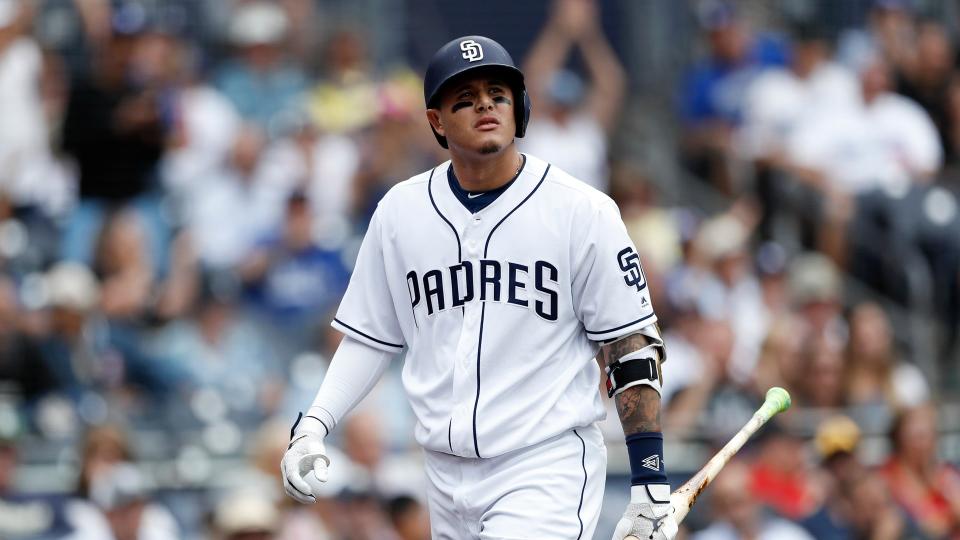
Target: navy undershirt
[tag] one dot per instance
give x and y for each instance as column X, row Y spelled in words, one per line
column 475, row 201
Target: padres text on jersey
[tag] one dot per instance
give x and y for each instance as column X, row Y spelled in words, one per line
column 532, row 285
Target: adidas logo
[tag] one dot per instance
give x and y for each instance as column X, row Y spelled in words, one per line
column 652, row 462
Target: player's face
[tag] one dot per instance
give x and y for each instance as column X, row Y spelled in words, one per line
column 476, row 115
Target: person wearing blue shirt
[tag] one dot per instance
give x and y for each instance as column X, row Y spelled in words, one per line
column 711, row 95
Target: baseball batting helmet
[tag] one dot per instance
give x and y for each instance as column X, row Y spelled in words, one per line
column 470, row 53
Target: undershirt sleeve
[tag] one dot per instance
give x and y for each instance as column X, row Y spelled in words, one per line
column 354, row 370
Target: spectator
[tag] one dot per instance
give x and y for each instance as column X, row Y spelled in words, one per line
column 245, row 515
column 685, row 338
column 888, row 143
column 906, row 130
column 259, row 80
column 376, row 470
column 731, row 291
column 21, row 362
column 214, row 202
column 320, row 165
column 837, row 444
column 71, row 351
column 836, row 441
column 889, row 31
column 778, row 99
column 856, row 505
column 573, row 119
column 291, row 278
column 819, row 381
column 931, row 81
column 108, row 481
column 396, row 146
column 712, row 92
column 220, row 351
column 409, row 518
column 875, row 377
column 872, row 510
column 781, row 477
column 93, row 359
column 366, row 517
column 779, row 360
column 27, row 515
column 121, row 492
column 102, row 448
column 815, row 293
column 29, row 176
column 207, row 126
column 771, row 266
column 725, row 404
column 123, row 267
column 115, row 129
column 130, row 295
column 652, row 225
column 739, row 515
column 340, row 104
column 924, row 486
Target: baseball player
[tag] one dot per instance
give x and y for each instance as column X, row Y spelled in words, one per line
column 501, row 278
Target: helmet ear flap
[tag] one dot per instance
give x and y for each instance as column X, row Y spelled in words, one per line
column 523, row 115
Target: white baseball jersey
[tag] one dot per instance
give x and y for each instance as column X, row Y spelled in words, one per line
column 502, row 311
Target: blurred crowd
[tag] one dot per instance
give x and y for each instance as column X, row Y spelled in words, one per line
column 184, row 185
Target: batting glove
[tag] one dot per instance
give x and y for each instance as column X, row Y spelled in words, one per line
column 306, row 453
column 649, row 515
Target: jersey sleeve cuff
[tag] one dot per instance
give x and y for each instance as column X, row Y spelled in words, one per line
column 622, row 330
column 366, row 338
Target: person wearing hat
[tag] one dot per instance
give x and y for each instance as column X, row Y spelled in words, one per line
column 502, row 279
column 245, row 515
column 72, row 298
column 259, row 80
column 121, row 491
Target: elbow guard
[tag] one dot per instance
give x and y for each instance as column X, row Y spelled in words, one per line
column 638, row 367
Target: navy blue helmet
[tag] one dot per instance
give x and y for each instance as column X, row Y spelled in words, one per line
column 467, row 54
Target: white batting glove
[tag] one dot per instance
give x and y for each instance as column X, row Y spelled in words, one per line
column 649, row 515
column 306, row 453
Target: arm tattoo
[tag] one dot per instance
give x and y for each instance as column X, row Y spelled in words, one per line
column 638, row 406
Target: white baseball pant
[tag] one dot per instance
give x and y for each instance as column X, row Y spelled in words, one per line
column 550, row 490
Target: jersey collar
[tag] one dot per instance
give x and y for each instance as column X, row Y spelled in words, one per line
column 476, row 201
column 451, row 207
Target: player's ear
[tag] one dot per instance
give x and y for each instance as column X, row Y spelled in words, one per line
column 433, row 116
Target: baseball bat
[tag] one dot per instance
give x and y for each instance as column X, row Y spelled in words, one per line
column 777, row 400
